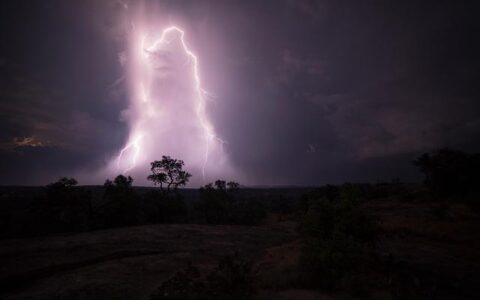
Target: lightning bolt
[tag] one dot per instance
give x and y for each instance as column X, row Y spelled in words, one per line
column 200, row 99
column 135, row 144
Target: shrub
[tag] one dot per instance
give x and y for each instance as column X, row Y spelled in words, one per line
column 328, row 192
column 231, row 279
column 184, row 285
column 159, row 207
column 352, row 192
column 219, row 204
column 63, row 207
column 214, row 202
column 121, row 206
column 338, row 236
column 326, row 261
column 450, row 172
column 246, row 212
column 326, row 218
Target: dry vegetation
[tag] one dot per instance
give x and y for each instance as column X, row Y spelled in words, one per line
column 424, row 249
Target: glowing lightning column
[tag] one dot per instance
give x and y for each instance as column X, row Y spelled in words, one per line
column 207, row 128
column 135, row 137
column 199, row 98
column 135, row 144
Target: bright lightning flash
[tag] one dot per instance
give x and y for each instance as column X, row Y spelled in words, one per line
column 129, row 156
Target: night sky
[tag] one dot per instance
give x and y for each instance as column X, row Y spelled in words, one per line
column 305, row 92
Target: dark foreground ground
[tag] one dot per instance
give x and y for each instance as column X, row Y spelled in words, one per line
column 425, row 250
column 126, row 263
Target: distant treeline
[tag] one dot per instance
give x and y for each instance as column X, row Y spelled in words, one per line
column 63, row 206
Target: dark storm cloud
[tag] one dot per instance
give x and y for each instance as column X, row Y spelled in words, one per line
column 54, row 80
column 44, row 136
column 307, row 92
column 351, row 88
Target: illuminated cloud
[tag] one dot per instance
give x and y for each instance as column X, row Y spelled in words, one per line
column 29, row 142
column 167, row 113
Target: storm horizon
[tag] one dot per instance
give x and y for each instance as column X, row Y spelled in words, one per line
column 270, row 93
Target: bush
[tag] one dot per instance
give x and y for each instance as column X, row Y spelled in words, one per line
column 219, row 204
column 450, row 173
column 326, row 261
column 159, row 207
column 214, row 202
column 352, row 192
column 328, row 192
column 246, row 212
column 326, row 218
column 122, row 207
column 184, row 285
column 63, row 207
column 232, row 279
column 338, row 236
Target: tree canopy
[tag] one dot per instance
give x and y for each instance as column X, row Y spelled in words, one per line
column 168, row 171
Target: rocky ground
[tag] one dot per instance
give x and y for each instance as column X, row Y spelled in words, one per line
column 427, row 250
column 124, row 263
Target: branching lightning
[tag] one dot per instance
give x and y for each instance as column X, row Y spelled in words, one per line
column 130, row 154
column 135, row 144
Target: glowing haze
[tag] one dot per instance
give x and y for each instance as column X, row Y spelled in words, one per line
column 167, row 109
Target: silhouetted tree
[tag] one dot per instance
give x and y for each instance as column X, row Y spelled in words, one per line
column 449, row 172
column 233, row 186
column 213, row 203
column 122, row 203
column 219, row 204
column 119, row 184
column 168, row 171
column 62, row 184
column 65, row 207
column 329, row 192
